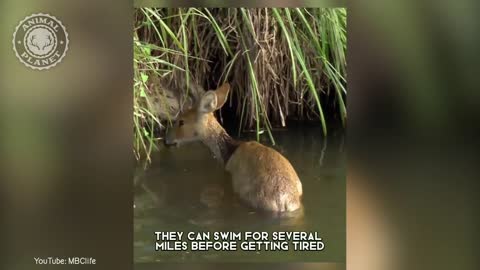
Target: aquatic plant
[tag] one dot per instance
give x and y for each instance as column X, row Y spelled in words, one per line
column 281, row 63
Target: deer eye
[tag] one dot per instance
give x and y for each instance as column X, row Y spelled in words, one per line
column 181, row 123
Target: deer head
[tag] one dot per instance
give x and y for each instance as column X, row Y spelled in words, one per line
column 192, row 124
column 41, row 43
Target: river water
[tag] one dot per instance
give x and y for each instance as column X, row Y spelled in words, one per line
column 186, row 189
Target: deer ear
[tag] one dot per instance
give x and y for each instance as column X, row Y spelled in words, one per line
column 208, row 102
column 222, row 94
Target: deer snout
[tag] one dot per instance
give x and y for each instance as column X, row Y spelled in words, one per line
column 170, row 137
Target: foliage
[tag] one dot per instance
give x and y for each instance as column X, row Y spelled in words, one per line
column 280, row 62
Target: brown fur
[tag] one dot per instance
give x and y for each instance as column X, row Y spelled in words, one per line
column 264, row 178
column 261, row 176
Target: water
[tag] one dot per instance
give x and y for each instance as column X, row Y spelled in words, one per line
column 185, row 189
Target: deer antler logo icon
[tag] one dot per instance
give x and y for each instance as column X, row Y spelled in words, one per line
column 40, row 41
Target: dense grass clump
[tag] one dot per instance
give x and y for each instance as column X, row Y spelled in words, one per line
column 281, row 63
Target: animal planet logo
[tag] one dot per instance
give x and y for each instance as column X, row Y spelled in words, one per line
column 40, row 41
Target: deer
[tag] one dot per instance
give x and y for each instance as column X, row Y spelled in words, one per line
column 48, row 41
column 261, row 177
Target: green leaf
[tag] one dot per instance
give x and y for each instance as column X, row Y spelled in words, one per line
column 142, row 91
column 144, row 77
column 147, row 50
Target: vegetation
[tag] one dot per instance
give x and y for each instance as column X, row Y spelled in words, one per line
column 281, row 63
